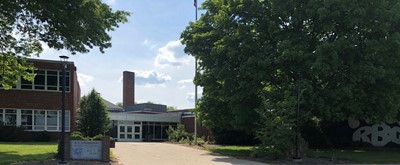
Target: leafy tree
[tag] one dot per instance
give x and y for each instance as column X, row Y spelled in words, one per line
column 171, row 108
column 251, row 53
column 120, row 104
column 74, row 25
column 93, row 116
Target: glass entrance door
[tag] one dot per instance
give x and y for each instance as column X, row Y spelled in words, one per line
column 138, row 133
column 129, row 133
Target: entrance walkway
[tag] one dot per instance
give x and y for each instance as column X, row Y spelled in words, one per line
column 141, row 153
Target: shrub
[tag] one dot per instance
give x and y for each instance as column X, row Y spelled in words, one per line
column 178, row 133
column 42, row 136
column 11, row 133
column 233, row 137
column 97, row 137
column 77, row 136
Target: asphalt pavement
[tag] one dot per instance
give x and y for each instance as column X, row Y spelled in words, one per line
column 144, row 153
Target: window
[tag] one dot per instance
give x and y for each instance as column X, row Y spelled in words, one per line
column 10, row 117
column 66, row 81
column 52, row 120
column 40, row 121
column 46, row 80
column 67, row 123
column 26, row 119
column 40, row 79
column 52, row 80
column 1, row 115
column 35, row 120
column 25, row 84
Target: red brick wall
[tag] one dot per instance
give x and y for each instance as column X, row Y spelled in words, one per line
column 188, row 122
column 48, row 100
column 128, row 88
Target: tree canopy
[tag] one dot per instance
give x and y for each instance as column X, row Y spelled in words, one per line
column 252, row 54
column 93, row 116
column 73, row 25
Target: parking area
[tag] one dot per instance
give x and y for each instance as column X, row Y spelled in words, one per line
column 142, row 153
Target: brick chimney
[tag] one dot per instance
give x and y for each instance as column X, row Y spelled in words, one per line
column 128, row 88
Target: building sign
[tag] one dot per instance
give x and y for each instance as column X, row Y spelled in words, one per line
column 87, row 150
column 377, row 135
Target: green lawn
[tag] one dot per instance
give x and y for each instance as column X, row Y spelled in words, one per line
column 232, row 150
column 11, row 152
column 360, row 156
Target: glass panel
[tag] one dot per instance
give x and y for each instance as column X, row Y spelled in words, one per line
column 10, row 117
column 52, row 120
column 137, row 136
column 122, row 136
column 144, row 130
column 39, row 82
column 158, row 132
column 129, row 136
column 52, row 80
column 136, row 122
column 121, row 129
column 52, row 73
column 1, row 115
column 11, row 111
column 25, row 84
column 164, row 132
column 26, row 119
column 129, row 129
column 39, row 120
column 137, row 129
column 67, row 120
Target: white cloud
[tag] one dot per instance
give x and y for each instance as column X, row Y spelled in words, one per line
column 190, row 96
column 184, row 82
column 149, row 44
column 84, row 79
column 148, row 78
column 172, row 54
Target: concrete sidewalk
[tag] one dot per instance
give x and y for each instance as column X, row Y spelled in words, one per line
column 142, row 153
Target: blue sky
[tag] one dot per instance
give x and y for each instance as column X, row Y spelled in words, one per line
column 148, row 45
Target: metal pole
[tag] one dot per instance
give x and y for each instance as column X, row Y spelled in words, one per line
column 195, row 90
column 297, row 157
column 64, row 65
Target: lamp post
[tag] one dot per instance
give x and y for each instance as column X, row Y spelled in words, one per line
column 63, row 60
column 297, row 156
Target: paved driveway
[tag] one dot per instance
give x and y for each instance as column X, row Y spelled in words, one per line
column 141, row 153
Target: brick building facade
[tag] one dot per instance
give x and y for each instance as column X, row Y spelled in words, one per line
column 36, row 106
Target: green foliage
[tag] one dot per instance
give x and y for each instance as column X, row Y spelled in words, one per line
column 93, row 116
column 11, row 133
column 359, row 156
column 171, row 108
column 77, row 136
column 233, row 137
column 41, row 136
column 276, row 131
column 250, row 53
column 97, row 137
column 120, row 104
column 178, row 134
column 242, row 151
column 76, row 26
